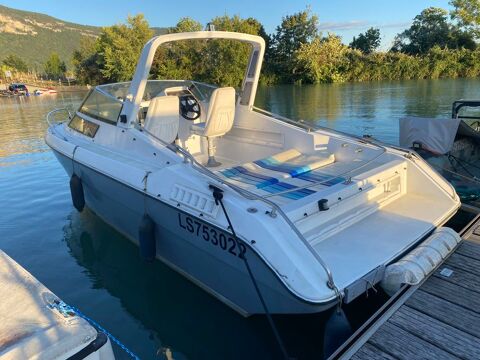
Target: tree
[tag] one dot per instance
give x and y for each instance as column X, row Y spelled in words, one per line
column 221, row 62
column 113, row 56
column 322, row 60
column 85, row 61
column 15, row 62
column 467, row 12
column 430, row 28
column 54, row 67
column 227, row 59
column 186, row 24
column 294, row 31
column 179, row 60
column 367, row 42
column 119, row 47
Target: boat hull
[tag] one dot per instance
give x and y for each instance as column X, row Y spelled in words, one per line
column 200, row 251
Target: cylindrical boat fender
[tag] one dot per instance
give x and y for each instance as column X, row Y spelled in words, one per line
column 337, row 330
column 76, row 190
column 146, row 236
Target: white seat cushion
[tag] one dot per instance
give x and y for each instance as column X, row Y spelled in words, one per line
column 163, row 118
column 220, row 115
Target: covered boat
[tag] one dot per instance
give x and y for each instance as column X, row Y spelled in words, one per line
column 234, row 197
column 450, row 145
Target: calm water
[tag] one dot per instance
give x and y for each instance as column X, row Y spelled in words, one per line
column 367, row 108
column 157, row 313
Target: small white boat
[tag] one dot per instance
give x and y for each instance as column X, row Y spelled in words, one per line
column 319, row 215
column 38, row 325
column 48, row 91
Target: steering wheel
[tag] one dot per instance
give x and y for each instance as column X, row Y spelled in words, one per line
column 189, row 107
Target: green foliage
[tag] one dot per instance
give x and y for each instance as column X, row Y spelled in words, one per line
column 226, row 60
column 467, row 12
column 113, row 56
column 429, row 29
column 119, row 47
column 431, row 48
column 178, row 60
column 294, row 31
column 54, row 67
column 85, row 62
column 15, row 62
column 329, row 61
column 321, row 61
column 186, row 24
column 367, row 42
column 221, row 62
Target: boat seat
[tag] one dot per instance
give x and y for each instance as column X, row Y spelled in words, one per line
column 163, row 118
column 284, row 171
column 219, row 121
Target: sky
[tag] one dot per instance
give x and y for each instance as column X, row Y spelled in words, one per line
column 346, row 18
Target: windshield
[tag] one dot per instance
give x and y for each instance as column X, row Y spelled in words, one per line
column 200, row 90
column 101, row 106
column 155, row 88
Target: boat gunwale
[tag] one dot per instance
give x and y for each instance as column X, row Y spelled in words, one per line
column 325, row 302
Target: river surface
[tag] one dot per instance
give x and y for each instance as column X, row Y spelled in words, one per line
column 155, row 312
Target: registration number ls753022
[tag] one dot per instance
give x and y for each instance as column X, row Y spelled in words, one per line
column 211, row 235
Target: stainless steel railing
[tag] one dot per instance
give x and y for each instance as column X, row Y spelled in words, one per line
column 252, row 196
column 50, row 116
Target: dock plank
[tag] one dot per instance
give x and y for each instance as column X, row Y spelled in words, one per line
column 370, row 352
column 452, row 293
column 400, row 343
column 470, row 249
column 461, row 278
column 445, row 311
column 464, row 263
column 438, row 333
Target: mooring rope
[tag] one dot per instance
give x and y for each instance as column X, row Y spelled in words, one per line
column 218, row 196
column 68, row 309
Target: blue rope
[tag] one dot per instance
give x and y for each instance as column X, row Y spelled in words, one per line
column 68, row 309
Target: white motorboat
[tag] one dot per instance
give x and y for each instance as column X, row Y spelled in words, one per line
column 319, row 216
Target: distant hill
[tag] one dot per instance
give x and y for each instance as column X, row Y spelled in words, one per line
column 34, row 36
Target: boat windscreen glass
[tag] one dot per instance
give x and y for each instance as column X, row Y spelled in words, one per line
column 101, row 106
column 117, row 90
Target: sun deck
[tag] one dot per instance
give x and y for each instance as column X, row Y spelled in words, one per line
column 438, row 319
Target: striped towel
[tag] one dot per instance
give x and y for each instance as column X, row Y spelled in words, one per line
column 284, row 171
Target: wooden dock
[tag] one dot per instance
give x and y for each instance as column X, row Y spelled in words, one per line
column 437, row 319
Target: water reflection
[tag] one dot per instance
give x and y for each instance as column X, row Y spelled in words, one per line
column 180, row 317
column 307, row 102
column 23, row 123
column 366, row 108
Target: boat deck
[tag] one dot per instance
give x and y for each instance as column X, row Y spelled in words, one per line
column 437, row 319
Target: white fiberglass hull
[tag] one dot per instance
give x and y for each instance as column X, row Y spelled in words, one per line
column 203, row 253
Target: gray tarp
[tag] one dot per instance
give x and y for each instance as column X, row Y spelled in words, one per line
column 435, row 135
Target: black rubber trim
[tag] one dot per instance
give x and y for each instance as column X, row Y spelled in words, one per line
column 95, row 345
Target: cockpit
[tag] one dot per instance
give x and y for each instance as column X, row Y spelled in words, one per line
column 171, row 111
column 191, row 114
